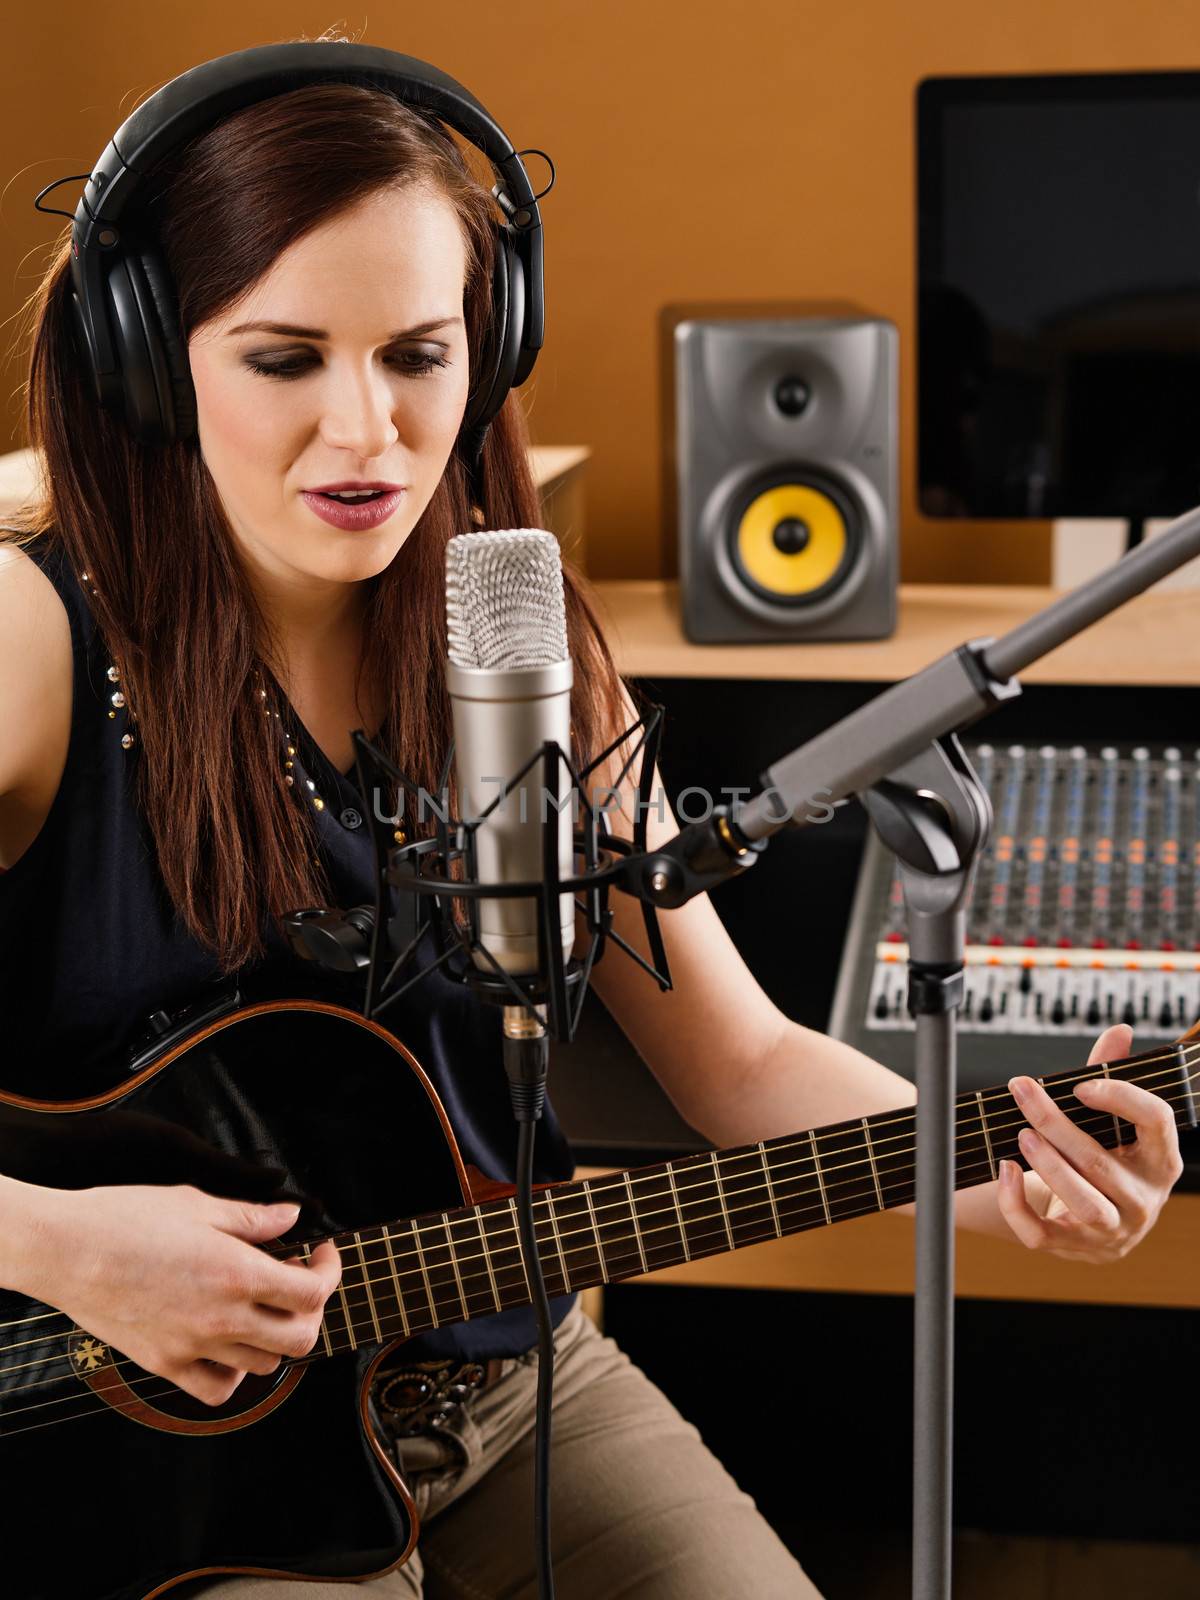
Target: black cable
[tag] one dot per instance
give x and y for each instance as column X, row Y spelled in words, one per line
column 526, row 1061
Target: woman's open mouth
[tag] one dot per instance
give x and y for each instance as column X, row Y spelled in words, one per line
column 353, row 515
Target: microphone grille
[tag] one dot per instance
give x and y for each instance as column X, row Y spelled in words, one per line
column 504, row 599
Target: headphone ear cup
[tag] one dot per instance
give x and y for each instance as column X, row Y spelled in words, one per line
column 172, row 371
column 508, row 323
column 157, row 390
column 128, row 304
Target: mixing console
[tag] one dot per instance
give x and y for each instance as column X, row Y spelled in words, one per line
column 1085, row 910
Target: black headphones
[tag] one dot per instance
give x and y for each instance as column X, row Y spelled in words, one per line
column 126, row 313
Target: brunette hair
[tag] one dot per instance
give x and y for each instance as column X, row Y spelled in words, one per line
column 236, row 845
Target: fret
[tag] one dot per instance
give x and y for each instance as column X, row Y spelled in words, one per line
column 700, row 1207
column 1115, row 1123
column 721, row 1198
column 325, row 1340
column 345, row 1305
column 517, row 1230
column 587, row 1190
column 616, row 1227
column 637, row 1232
column 687, row 1254
column 387, row 1244
column 366, row 1284
column 578, row 1240
column 845, row 1170
column 987, row 1138
column 504, row 1252
column 462, row 1299
column 762, row 1156
column 656, row 1216
column 549, row 1199
column 749, row 1208
column 816, row 1159
column 893, row 1152
column 871, row 1158
column 416, row 1233
column 439, row 1260
column 487, row 1256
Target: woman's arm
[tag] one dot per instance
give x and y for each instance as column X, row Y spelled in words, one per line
column 24, row 1212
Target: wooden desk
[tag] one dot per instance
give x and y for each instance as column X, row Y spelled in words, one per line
column 1155, row 639
column 877, row 1255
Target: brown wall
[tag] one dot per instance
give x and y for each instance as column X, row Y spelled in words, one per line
column 705, row 151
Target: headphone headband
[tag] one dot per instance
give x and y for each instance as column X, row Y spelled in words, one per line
column 206, row 94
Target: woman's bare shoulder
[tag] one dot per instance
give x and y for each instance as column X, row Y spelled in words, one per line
column 36, row 679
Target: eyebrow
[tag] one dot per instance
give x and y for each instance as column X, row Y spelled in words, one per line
column 289, row 330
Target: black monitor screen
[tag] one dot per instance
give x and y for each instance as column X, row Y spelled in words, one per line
column 1058, row 310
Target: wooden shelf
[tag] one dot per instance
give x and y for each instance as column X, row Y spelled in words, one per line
column 1152, row 640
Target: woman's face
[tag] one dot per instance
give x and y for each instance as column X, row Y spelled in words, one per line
column 369, row 385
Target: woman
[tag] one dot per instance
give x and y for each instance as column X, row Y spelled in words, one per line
column 154, row 823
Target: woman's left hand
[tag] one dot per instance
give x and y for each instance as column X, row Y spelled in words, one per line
column 1081, row 1201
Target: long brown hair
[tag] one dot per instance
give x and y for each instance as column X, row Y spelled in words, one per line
column 174, row 608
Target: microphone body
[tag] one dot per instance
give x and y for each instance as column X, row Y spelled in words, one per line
column 510, row 692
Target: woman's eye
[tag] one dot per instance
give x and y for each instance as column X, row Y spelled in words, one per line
column 414, row 363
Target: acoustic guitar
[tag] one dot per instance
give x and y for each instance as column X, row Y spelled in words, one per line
column 116, row 1485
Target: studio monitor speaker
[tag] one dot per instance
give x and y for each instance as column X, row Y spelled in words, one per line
column 785, row 468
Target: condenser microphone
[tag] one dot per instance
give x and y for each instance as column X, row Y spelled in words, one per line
column 509, row 676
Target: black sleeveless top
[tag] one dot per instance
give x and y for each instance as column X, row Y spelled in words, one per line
column 90, row 946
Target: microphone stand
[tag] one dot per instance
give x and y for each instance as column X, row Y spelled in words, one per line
column 900, row 755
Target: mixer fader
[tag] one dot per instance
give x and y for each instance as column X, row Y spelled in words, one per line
column 1085, row 911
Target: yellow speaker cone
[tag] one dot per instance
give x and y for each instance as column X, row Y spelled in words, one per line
column 791, row 539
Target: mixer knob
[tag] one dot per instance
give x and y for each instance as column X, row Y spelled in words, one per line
column 1165, row 1018
column 881, row 1005
column 1093, row 1014
column 1172, row 753
column 1058, row 1012
column 1128, row 1014
column 1026, row 980
column 985, row 1008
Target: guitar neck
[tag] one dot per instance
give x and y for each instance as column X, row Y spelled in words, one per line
column 442, row 1268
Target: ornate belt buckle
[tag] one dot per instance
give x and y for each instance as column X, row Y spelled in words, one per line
column 412, row 1398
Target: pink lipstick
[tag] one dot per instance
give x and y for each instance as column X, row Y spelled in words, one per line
column 353, row 516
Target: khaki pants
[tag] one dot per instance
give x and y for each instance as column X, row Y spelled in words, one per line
column 639, row 1507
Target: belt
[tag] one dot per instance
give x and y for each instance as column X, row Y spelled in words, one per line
column 410, row 1398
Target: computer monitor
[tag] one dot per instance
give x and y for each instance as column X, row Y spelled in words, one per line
column 1058, row 314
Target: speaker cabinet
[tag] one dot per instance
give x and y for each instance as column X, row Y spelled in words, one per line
column 785, row 461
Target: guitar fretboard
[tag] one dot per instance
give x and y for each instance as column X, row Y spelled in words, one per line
column 445, row 1267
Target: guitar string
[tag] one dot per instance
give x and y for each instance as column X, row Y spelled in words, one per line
column 745, row 1154
column 92, row 1404
column 790, row 1213
column 905, row 1115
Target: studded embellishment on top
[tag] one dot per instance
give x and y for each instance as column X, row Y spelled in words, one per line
column 289, row 757
column 118, row 702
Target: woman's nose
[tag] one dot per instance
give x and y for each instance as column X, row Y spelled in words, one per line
column 357, row 415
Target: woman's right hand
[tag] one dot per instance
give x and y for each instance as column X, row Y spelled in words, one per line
column 171, row 1278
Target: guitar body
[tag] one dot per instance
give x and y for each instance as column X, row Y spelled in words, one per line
column 146, row 1489
column 151, row 1487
